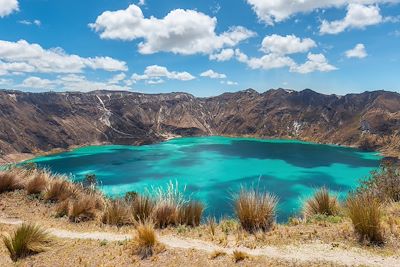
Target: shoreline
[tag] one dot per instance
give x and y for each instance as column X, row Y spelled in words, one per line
column 15, row 158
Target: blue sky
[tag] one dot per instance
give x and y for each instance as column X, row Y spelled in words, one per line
column 201, row 47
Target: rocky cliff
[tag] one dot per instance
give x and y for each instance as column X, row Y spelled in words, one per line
column 36, row 122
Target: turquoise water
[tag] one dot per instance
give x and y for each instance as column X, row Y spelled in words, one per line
column 212, row 168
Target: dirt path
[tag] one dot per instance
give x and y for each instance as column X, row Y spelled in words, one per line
column 302, row 253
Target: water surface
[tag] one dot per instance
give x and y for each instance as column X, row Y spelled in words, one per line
column 212, row 168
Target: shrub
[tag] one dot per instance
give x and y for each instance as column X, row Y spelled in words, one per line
column 384, row 183
column 365, row 213
column 142, row 208
column 59, row 190
column 165, row 214
column 116, row 213
column 321, row 203
column 145, row 240
column 38, row 183
column 27, row 239
column 62, row 208
column 9, row 181
column 240, row 255
column 255, row 210
column 168, row 203
column 190, row 213
column 82, row 209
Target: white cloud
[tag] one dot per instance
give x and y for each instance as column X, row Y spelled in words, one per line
column 141, row 2
column 269, row 61
column 37, row 83
column 6, row 82
column 154, row 74
column 289, row 44
column 223, row 55
column 69, row 82
column 357, row 52
column 358, row 16
column 7, row 7
column 229, row 83
column 271, row 11
column 315, row 62
column 73, row 82
column 116, row 79
column 159, row 81
column 213, row 75
column 25, row 57
column 28, row 22
column 180, row 31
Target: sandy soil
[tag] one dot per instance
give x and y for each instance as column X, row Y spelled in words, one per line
column 85, row 244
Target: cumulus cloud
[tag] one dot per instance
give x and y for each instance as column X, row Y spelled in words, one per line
column 22, row 56
column 277, row 49
column 37, row 83
column 358, row 16
column 289, row 44
column 213, row 75
column 272, row 11
column 357, row 52
column 223, row 55
column 28, row 22
column 70, row 82
column 116, row 79
column 315, row 62
column 141, row 2
column 180, row 31
column 229, row 83
column 7, row 7
column 154, row 74
column 269, row 61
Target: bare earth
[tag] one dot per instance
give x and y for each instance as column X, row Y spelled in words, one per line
column 94, row 244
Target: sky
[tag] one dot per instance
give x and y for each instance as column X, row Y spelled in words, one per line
column 203, row 47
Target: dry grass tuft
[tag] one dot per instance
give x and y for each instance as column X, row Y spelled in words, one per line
column 240, row 255
column 9, row 181
column 323, row 202
column 38, row 183
column 168, row 201
column 190, row 213
column 212, row 225
column 145, row 240
column 365, row 212
column 59, row 190
column 142, row 208
column 27, row 239
column 62, row 209
column 255, row 210
column 116, row 213
column 165, row 214
column 82, row 209
column 217, row 253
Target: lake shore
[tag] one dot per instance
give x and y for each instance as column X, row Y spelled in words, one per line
column 15, row 158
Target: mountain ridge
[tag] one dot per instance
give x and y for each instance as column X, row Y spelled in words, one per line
column 33, row 122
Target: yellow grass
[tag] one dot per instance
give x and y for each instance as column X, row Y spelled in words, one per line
column 116, row 213
column 255, row 210
column 365, row 212
column 145, row 240
column 26, row 240
column 323, row 202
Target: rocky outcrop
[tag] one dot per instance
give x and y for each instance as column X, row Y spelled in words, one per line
column 34, row 122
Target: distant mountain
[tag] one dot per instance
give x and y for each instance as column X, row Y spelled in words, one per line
column 36, row 122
